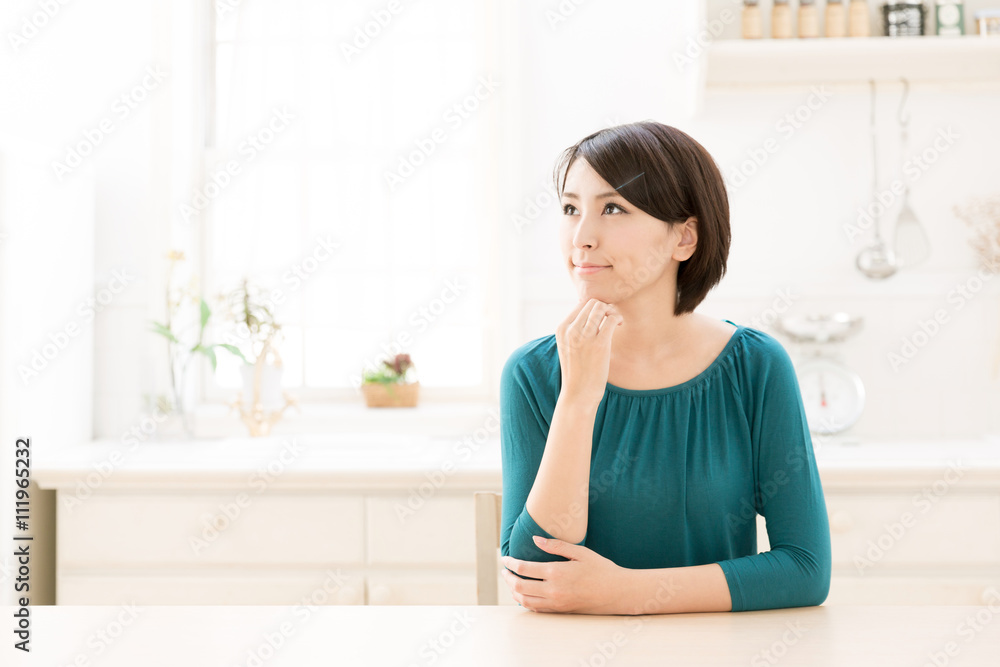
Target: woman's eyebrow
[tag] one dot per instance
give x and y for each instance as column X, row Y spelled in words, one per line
column 600, row 196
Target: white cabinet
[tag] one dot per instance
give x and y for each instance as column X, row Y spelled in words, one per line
column 351, row 519
column 416, row 587
column 438, row 531
column 179, row 586
column 903, row 548
column 343, row 529
column 215, row 547
column 198, row 528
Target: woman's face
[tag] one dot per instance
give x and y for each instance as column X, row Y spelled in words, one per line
column 601, row 227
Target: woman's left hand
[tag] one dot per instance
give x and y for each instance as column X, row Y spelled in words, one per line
column 587, row 583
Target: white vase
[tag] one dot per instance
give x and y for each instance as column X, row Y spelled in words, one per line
column 270, row 387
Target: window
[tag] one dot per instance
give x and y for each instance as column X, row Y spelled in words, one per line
column 346, row 170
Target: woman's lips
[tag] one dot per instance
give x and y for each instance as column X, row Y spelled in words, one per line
column 589, row 269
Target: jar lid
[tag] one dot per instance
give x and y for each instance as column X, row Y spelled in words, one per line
column 987, row 14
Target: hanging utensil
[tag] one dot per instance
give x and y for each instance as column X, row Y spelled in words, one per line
column 876, row 261
column 910, row 242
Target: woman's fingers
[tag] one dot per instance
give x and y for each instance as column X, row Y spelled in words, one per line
column 575, row 312
column 583, row 316
column 526, row 587
column 613, row 321
column 597, row 315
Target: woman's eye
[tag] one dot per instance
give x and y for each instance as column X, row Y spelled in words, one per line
column 569, row 209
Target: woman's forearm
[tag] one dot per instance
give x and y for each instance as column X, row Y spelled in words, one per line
column 558, row 501
column 676, row 590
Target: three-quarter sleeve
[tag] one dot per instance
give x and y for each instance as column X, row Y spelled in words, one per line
column 524, row 428
column 788, row 494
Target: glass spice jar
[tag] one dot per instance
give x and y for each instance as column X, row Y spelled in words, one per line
column 781, row 20
column 808, row 19
column 835, row 19
column 751, row 20
column 858, row 22
column 903, row 19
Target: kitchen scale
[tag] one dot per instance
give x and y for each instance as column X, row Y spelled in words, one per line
column 832, row 393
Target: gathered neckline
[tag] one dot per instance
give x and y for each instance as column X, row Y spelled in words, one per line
column 687, row 384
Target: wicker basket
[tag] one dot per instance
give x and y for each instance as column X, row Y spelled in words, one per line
column 378, row 395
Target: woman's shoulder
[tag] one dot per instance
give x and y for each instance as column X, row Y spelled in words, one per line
column 534, row 358
column 760, row 340
column 762, row 353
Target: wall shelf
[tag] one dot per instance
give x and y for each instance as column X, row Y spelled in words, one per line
column 971, row 60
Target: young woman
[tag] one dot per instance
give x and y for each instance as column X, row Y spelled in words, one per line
column 642, row 438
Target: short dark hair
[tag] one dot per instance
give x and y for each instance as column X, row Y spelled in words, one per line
column 667, row 174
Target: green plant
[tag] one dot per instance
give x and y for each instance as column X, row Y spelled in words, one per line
column 395, row 371
column 252, row 311
column 181, row 349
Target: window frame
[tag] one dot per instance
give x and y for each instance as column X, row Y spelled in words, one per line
column 496, row 330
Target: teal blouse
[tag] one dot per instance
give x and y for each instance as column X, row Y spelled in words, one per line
column 679, row 474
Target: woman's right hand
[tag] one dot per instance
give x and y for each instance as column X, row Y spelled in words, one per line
column 584, row 343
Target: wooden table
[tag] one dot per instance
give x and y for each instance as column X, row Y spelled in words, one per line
column 405, row 636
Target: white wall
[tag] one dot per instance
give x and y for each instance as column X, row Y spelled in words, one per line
column 70, row 233
column 788, row 219
column 602, row 63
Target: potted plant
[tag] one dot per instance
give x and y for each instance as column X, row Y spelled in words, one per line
column 257, row 332
column 392, row 384
column 186, row 311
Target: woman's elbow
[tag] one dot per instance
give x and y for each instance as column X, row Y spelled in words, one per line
column 817, row 586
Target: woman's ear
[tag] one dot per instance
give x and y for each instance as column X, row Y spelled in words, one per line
column 688, row 240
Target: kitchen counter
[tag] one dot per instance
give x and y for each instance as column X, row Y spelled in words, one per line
column 212, row 521
column 516, row 637
column 399, row 461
